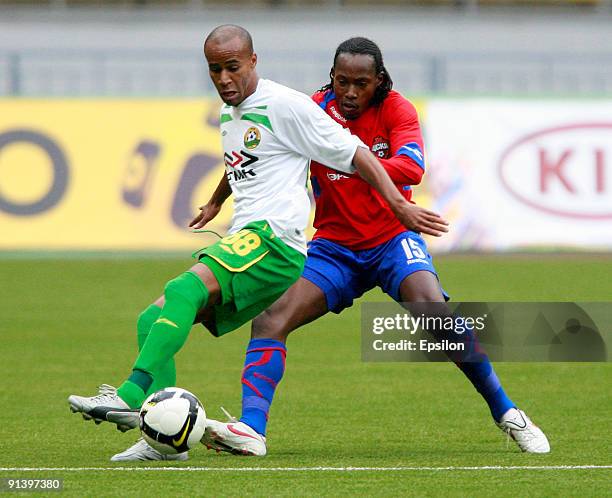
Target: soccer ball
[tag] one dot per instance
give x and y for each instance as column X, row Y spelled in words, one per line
column 172, row 420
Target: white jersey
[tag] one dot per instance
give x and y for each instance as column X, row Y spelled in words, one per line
column 268, row 142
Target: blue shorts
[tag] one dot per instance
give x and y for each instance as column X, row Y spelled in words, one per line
column 344, row 275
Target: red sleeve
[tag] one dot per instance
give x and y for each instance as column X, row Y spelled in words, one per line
column 318, row 96
column 406, row 165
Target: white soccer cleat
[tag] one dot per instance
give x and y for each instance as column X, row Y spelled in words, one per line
column 97, row 408
column 527, row 435
column 144, row 451
column 125, row 420
column 234, row 437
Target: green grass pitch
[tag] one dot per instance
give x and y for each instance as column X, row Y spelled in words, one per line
column 69, row 324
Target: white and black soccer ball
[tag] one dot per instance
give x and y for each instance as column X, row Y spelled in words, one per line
column 172, row 420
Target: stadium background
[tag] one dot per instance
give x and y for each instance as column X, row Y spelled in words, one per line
column 514, row 104
column 108, row 143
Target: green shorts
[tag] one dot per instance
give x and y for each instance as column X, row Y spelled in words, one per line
column 254, row 268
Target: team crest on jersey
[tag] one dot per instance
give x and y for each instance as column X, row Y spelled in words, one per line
column 380, row 147
column 252, row 137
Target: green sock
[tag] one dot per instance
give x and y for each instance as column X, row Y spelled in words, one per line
column 166, row 376
column 131, row 393
column 145, row 322
column 184, row 295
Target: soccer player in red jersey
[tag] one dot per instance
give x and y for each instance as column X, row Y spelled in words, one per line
column 359, row 244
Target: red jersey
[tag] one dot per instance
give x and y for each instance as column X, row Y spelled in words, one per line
column 348, row 210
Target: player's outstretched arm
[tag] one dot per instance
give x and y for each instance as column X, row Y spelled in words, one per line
column 411, row 216
column 209, row 210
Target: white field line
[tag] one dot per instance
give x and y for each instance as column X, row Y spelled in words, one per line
column 303, row 469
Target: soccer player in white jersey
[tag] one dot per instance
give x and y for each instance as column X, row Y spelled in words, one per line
column 269, row 134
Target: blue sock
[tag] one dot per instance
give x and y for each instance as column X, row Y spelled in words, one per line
column 264, row 366
column 484, row 379
column 475, row 364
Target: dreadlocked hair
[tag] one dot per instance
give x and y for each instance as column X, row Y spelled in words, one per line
column 360, row 45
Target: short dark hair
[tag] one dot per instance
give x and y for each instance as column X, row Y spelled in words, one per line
column 364, row 46
column 226, row 32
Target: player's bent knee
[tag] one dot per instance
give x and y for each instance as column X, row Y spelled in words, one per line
column 421, row 286
column 189, row 288
column 433, row 297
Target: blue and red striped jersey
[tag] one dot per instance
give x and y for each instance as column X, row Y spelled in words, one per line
column 348, row 210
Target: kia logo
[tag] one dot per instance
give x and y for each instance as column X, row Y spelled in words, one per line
column 563, row 171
